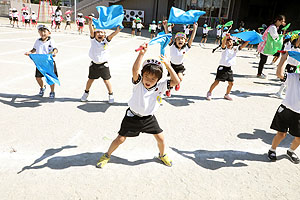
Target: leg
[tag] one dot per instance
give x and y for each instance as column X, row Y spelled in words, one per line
column 230, row 84
column 277, row 139
column 262, row 62
column 108, row 86
column 40, row 81
column 180, row 76
column 160, row 143
column 295, row 143
column 115, row 144
column 89, row 84
column 212, row 87
column 52, row 87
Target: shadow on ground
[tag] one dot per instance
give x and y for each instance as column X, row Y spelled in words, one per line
column 100, row 106
column 251, row 94
column 182, row 100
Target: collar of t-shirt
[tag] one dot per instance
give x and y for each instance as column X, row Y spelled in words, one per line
column 105, row 39
column 45, row 40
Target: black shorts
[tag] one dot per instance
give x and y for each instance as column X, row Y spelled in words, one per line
column 10, row 18
column 152, row 31
column 133, row 126
column 133, row 29
column 38, row 74
column 68, row 23
column 224, row 74
column 204, row 35
column 286, row 120
column 99, row 70
column 33, row 21
column 177, row 68
column 57, row 23
column 138, row 30
column 27, row 21
column 80, row 24
column 218, row 37
column 15, row 19
column 290, row 68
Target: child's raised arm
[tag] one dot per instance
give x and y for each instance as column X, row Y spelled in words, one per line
column 91, row 28
column 110, row 37
column 165, row 25
column 244, row 45
column 138, row 62
column 195, row 26
column 174, row 78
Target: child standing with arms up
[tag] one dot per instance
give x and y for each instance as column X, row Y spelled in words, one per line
column 224, row 72
column 99, row 55
column 178, row 49
column 44, row 45
column 145, row 100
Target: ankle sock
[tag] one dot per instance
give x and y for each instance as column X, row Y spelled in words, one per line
column 274, row 150
column 290, row 150
column 86, row 91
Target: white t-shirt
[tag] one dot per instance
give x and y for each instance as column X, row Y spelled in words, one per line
column 27, row 16
column 228, row 58
column 186, row 30
column 205, row 30
column 291, row 60
column 15, row 14
column 80, row 20
column 139, row 25
column 98, row 51
column 146, row 101
column 44, row 47
column 287, row 46
column 273, row 31
column 34, row 17
column 153, row 27
column 292, row 97
column 170, row 28
column 219, row 32
column 224, row 33
column 133, row 24
column 68, row 18
column 177, row 55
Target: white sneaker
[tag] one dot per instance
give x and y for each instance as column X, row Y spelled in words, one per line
column 111, row 99
column 279, row 95
column 84, row 97
column 262, row 76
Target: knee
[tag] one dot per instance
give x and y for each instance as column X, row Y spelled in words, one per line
column 230, row 83
column 120, row 139
column 160, row 139
column 297, row 139
column 281, row 134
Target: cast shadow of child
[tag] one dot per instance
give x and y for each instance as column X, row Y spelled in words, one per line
column 182, row 100
column 98, row 106
column 214, row 160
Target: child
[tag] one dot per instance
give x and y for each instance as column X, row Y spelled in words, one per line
column 10, row 15
column 219, row 32
column 80, row 22
column 186, row 29
column 33, row 19
column 287, row 117
column 99, row 55
column 145, row 100
column 53, row 21
column 44, row 45
column 170, row 27
column 292, row 63
column 15, row 16
column 153, row 27
column 58, row 15
column 68, row 21
column 27, row 19
column 177, row 51
column 139, row 27
column 204, row 36
column 224, row 72
column 133, row 27
column 159, row 26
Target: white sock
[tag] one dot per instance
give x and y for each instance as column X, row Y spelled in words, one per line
column 290, row 150
column 274, row 150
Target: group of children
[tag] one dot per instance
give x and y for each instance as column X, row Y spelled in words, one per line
column 148, row 88
column 25, row 17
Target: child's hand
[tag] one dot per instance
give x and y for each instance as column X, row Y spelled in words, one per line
column 119, row 29
column 165, row 22
column 27, row 53
column 227, row 35
column 144, row 48
column 195, row 25
column 165, row 60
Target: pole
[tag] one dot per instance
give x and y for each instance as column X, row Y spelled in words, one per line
column 75, row 11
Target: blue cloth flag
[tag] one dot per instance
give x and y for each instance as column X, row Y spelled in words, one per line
column 109, row 17
column 251, row 36
column 178, row 16
column 295, row 55
column 45, row 64
column 163, row 40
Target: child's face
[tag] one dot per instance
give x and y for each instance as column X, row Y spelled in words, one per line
column 149, row 80
column 180, row 41
column 100, row 35
column 44, row 33
column 229, row 44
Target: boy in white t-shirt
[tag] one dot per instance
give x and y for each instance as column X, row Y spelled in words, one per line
column 99, row 55
column 219, row 33
column 224, row 72
column 145, row 100
column 15, row 16
column 33, row 19
column 287, row 117
column 27, row 19
column 178, row 50
column 133, row 27
column 80, row 22
column 153, row 28
column 139, row 27
column 44, row 45
column 204, row 35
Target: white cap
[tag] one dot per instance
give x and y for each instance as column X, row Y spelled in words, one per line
column 42, row 26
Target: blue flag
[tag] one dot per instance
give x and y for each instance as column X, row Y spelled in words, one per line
column 295, row 55
column 163, row 40
column 251, row 36
column 45, row 64
column 109, row 17
column 178, row 16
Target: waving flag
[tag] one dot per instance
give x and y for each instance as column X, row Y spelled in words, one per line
column 251, row 36
column 286, row 27
column 45, row 64
column 163, row 40
column 178, row 16
column 295, row 55
column 228, row 23
column 109, row 17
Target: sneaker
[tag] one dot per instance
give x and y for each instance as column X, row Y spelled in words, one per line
column 168, row 93
column 84, row 97
column 177, row 87
column 165, row 159
column 208, row 96
column 42, row 90
column 111, row 99
column 262, row 76
column 52, row 95
column 272, row 155
column 293, row 157
column 279, row 95
column 227, row 97
column 103, row 161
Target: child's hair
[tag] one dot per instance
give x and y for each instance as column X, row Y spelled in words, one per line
column 279, row 18
column 153, row 66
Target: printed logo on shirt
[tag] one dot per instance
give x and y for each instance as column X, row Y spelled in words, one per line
column 280, row 109
column 158, row 99
column 220, row 68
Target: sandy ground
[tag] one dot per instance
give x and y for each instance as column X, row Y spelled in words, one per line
column 48, row 149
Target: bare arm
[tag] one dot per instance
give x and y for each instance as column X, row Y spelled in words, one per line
column 244, row 45
column 174, row 78
column 195, row 26
column 92, row 34
column 110, row 37
column 298, row 42
column 30, row 52
column 165, row 26
column 280, row 68
column 138, row 62
column 225, row 40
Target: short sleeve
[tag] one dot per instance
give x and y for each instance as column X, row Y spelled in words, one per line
column 164, row 85
column 53, row 44
column 35, row 46
column 273, row 32
column 138, row 80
